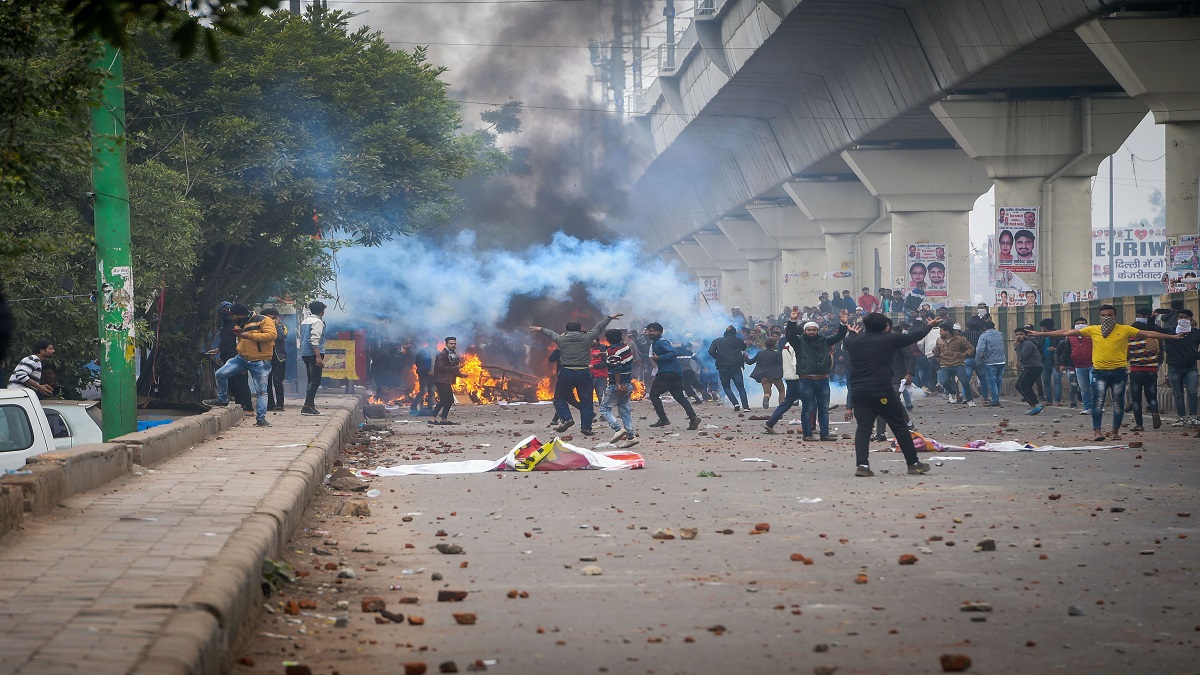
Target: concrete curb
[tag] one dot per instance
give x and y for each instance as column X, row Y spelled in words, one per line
column 219, row 612
column 163, row 442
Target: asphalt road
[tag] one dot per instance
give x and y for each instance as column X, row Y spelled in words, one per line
column 1094, row 567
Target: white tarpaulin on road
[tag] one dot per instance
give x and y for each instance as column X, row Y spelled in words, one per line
column 528, row 455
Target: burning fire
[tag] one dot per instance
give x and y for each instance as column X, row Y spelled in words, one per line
column 487, row 384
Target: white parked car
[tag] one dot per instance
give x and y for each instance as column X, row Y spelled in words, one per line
column 24, row 430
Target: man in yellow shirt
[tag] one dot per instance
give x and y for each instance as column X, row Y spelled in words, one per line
column 1110, row 363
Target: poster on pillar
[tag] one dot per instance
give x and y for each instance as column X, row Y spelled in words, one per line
column 1183, row 263
column 927, row 262
column 710, row 290
column 1017, row 239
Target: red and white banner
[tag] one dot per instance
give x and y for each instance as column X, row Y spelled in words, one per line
column 528, row 455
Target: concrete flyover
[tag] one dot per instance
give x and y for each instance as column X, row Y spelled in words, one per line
column 795, row 139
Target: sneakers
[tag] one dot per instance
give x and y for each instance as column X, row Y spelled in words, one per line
column 766, row 402
column 1137, row 428
column 809, row 439
column 214, row 402
column 629, row 443
column 827, row 437
column 309, row 410
column 617, row 437
column 736, row 407
column 1157, row 420
column 661, row 423
column 879, row 437
column 1180, row 422
column 693, row 424
column 918, row 469
column 970, row 404
column 262, row 423
column 1035, row 409
column 585, row 432
column 768, row 429
column 863, row 471
column 1085, row 411
column 566, row 424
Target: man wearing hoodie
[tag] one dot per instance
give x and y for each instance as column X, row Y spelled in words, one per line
column 255, row 346
column 1181, row 365
column 989, row 354
column 729, row 353
column 574, row 372
column 813, row 362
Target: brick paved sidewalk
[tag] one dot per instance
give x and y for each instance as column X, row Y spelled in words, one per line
column 97, row 586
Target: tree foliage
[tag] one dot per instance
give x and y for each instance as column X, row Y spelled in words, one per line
column 305, row 136
column 245, row 175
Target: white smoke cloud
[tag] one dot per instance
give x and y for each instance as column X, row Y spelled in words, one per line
column 415, row 287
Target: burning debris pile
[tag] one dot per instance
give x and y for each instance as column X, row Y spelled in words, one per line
column 481, row 383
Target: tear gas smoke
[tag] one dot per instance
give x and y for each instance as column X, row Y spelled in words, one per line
column 414, row 287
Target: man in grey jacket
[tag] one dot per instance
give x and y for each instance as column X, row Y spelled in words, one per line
column 574, row 374
column 991, row 357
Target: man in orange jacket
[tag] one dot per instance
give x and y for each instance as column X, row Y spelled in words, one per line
column 256, row 344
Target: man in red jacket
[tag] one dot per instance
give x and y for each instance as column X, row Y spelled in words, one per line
column 1076, row 352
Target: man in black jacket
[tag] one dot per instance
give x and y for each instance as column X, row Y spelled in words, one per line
column 813, row 362
column 729, row 353
column 872, row 395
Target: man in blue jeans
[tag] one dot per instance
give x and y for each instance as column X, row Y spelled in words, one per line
column 991, row 358
column 255, row 345
column 1052, row 379
column 1110, row 363
column 574, row 372
column 812, row 370
column 1181, row 366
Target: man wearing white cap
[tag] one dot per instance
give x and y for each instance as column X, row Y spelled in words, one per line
column 951, row 352
column 811, row 387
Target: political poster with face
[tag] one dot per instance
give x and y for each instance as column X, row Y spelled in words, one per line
column 927, row 263
column 1017, row 238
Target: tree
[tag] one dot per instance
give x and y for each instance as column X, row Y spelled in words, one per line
column 304, row 137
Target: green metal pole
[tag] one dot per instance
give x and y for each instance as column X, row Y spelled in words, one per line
column 114, row 260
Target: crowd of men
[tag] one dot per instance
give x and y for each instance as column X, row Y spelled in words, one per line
column 795, row 356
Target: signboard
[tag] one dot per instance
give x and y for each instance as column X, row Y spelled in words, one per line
column 1138, row 254
column 1017, row 238
column 710, row 289
column 927, row 263
column 339, row 360
column 1078, row 296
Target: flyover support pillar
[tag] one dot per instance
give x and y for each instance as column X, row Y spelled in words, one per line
column 929, row 194
column 1043, row 154
column 842, row 210
column 1154, row 58
column 802, row 251
column 735, row 269
column 762, row 255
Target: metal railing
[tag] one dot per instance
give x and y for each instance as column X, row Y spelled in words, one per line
column 706, row 9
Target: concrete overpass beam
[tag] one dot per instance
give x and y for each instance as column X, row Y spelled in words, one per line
column 735, row 269
column 707, row 272
column 1154, row 59
column 1044, row 154
column 929, row 194
column 842, row 210
column 802, row 251
column 762, row 254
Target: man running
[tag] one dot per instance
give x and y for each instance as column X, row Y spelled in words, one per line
column 574, row 372
column 669, row 378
